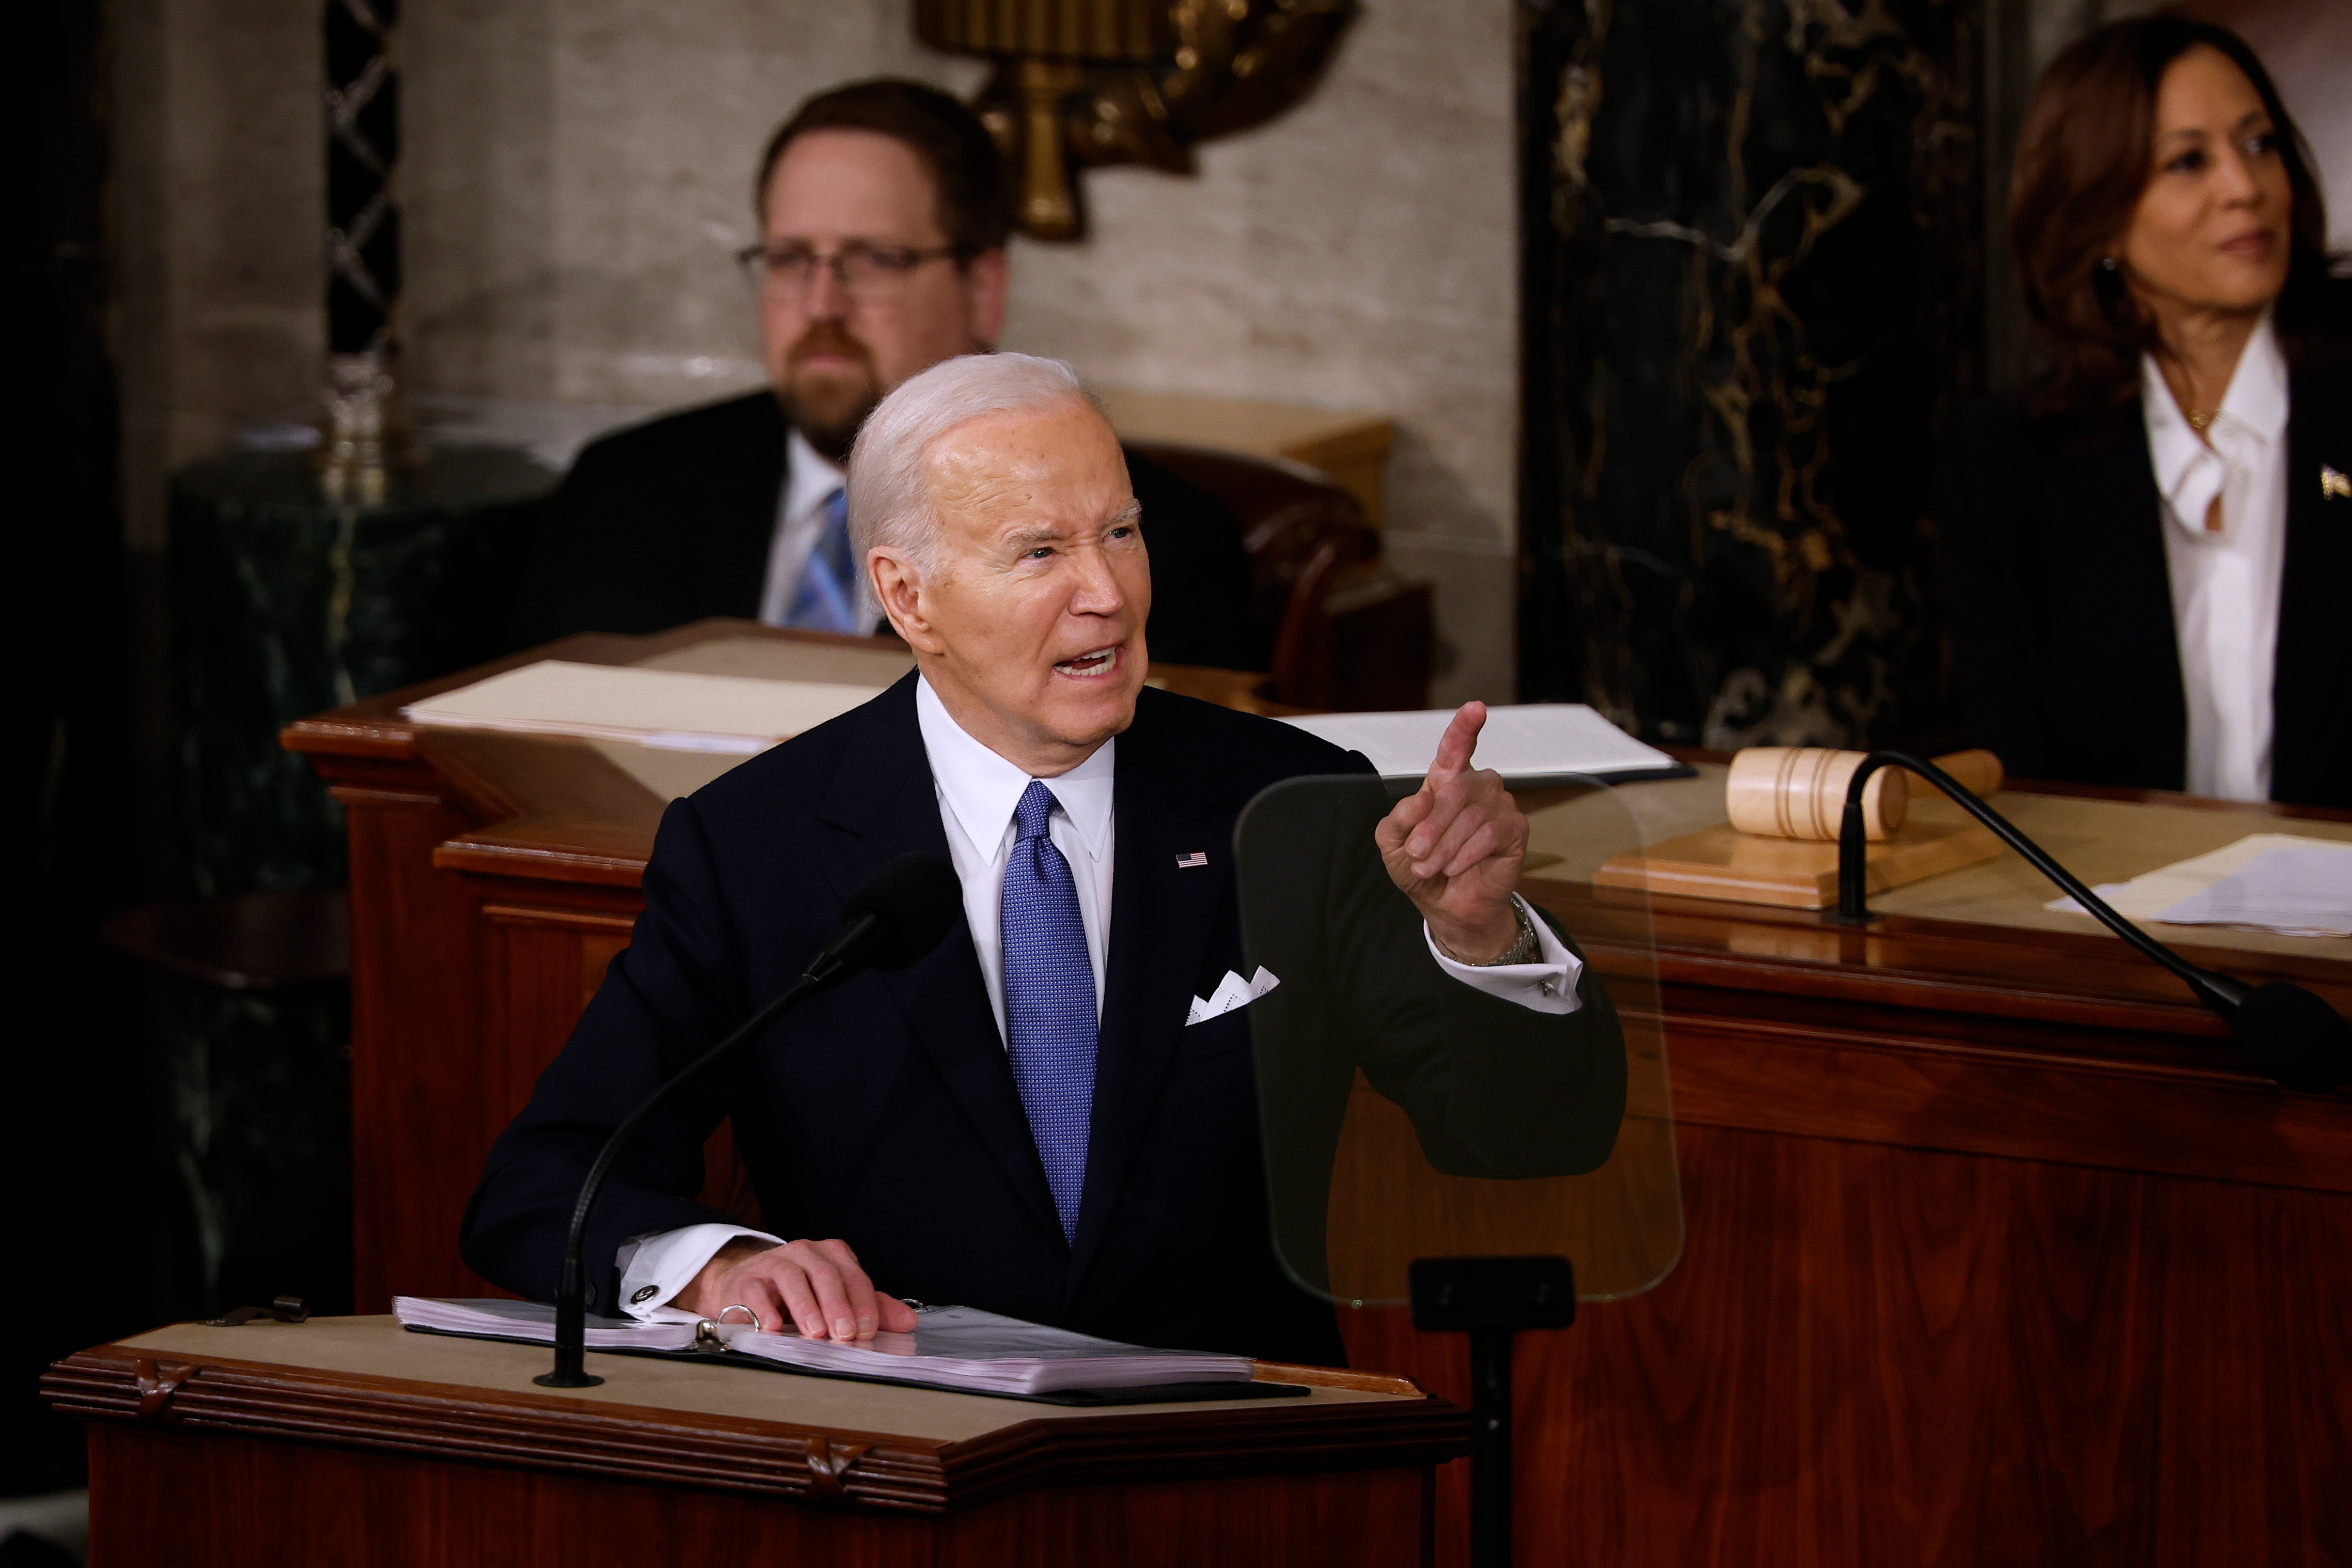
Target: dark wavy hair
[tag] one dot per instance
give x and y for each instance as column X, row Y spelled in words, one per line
column 975, row 196
column 2082, row 164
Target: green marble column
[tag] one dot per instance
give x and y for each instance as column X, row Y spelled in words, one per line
column 284, row 603
column 1751, row 282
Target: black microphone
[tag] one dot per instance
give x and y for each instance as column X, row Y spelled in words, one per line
column 2282, row 1030
column 898, row 916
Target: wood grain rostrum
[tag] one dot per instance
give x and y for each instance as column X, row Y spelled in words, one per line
column 720, row 1453
column 226, row 1501
column 1993, row 1253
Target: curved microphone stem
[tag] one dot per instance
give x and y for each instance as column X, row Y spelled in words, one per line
column 2219, row 992
column 571, row 1294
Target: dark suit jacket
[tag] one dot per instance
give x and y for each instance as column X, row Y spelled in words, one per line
column 2062, row 607
column 884, row 1111
column 669, row 522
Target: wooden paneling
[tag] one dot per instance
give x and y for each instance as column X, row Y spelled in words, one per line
column 241, row 1502
column 1878, row 1355
column 416, row 990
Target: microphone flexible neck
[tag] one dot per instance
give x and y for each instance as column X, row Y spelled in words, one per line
column 2219, row 992
column 572, row 1285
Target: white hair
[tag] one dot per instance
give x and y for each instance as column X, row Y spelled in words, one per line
column 890, row 486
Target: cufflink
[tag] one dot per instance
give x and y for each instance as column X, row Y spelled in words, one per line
column 2333, row 485
column 644, row 1293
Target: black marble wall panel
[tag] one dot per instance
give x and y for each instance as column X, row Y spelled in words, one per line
column 285, row 603
column 1751, row 281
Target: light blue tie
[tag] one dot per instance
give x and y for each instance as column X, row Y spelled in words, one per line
column 1049, row 1002
column 826, row 598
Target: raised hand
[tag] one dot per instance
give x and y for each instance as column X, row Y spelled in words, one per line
column 1454, row 847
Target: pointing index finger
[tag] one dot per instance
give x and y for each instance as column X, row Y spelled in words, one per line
column 1459, row 743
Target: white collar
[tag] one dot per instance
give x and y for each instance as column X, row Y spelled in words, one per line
column 808, row 477
column 981, row 788
column 2253, row 410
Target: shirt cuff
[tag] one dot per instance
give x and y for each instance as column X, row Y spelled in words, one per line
column 1546, row 986
column 656, row 1267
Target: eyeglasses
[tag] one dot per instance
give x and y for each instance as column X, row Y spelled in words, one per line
column 866, row 272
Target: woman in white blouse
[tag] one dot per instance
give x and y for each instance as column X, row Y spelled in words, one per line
column 2149, row 554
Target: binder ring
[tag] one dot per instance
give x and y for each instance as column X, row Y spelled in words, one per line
column 740, row 1307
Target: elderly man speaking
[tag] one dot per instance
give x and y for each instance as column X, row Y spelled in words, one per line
column 1028, row 1120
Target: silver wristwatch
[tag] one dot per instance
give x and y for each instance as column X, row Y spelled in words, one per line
column 1526, row 950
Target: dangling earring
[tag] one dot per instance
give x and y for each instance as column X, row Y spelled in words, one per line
column 2109, row 264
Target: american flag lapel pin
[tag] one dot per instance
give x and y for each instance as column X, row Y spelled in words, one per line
column 1197, row 857
column 2333, row 485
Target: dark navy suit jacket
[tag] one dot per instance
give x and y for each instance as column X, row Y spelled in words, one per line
column 884, row 1111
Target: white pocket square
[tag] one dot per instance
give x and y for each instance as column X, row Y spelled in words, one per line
column 1232, row 992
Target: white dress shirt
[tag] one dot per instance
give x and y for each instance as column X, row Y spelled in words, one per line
column 809, row 482
column 977, row 790
column 2225, row 584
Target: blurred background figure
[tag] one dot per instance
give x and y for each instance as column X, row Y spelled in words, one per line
column 883, row 211
column 2149, row 549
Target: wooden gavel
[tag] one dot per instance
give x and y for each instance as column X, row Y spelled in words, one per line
column 1799, row 791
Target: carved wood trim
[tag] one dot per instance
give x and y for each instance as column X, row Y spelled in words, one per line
column 350, row 795
column 1335, row 1377
column 854, row 1469
column 484, row 856
column 158, row 1381
column 1815, row 1081
column 558, row 919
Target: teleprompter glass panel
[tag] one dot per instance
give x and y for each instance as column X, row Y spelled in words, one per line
column 1408, row 1114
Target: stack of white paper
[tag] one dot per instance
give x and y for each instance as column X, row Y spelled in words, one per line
column 1540, row 740
column 2284, row 882
column 2302, row 889
column 529, row 1320
column 951, row 1347
column 670, row 708
column 962, row 1347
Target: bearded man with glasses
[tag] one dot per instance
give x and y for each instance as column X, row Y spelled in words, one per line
column 883, row 211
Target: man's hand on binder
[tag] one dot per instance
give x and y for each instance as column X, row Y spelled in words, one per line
column 1454, row 847
column 817, row 1284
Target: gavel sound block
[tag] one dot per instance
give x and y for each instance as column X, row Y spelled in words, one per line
column 1779, row 846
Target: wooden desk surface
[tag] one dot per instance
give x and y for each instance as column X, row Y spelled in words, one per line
column 349, row 1440
column 585, row 810
column 2101, row 836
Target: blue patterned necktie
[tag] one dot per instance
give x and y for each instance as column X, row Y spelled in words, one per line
column 826, row 598
column 1049, row 1002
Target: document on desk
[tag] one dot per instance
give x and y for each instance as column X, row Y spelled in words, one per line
column 1527, row 745
column 2283, row 882
column 671, row 708
column 2303, row 889
column 958, row 1348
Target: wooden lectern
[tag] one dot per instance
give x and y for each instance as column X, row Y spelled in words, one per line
column 350, row 1441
